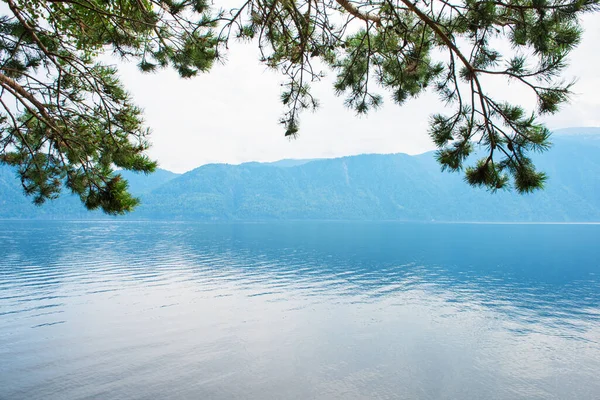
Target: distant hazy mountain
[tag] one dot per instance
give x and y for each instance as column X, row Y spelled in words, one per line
column 365, row 187
column 582, row 131
column 13, row 204
column 141, row 183
column 289, row 163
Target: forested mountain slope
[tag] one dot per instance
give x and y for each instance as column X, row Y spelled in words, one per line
column 363, row 187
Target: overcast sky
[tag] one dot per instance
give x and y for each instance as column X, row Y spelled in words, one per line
column 231, row 114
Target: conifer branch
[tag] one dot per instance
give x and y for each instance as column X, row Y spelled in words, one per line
column 348, row 6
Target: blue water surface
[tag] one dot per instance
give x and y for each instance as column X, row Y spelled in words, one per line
column 298, row 310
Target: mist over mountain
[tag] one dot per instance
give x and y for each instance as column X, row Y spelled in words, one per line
column 14, row 204
column 362, row 187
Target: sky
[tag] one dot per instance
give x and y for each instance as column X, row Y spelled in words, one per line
column 230, row 114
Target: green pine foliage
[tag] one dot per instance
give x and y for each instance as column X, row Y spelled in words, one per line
column 364, row 187
column 66, row 120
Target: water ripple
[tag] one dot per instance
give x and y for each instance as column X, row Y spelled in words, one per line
column 149, row 310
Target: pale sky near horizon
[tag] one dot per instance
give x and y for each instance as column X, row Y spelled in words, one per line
column 230, row 115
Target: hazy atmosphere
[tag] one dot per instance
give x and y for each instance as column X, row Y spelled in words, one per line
column 216, row 259
column 230, row 115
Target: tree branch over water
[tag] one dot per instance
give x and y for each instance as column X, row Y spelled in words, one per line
column 68, row 122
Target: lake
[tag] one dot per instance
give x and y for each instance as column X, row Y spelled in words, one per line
column 299, row 310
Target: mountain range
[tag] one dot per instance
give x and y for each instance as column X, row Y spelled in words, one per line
column 362, row 187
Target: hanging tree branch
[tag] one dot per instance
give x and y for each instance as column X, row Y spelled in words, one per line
column 354, row 11
column 67, row 122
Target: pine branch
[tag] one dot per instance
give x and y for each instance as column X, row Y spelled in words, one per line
column 356, row 12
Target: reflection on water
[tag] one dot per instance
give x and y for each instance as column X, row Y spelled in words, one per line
column 299, row 311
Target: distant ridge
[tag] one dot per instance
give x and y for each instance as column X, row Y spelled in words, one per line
column 577, row 131
column 363, row 187
column 14, row 204
column 287, row 163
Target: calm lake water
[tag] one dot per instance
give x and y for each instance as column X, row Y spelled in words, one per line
column 146, row 310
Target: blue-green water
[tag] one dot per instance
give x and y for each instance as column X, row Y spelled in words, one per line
column 151, row 310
